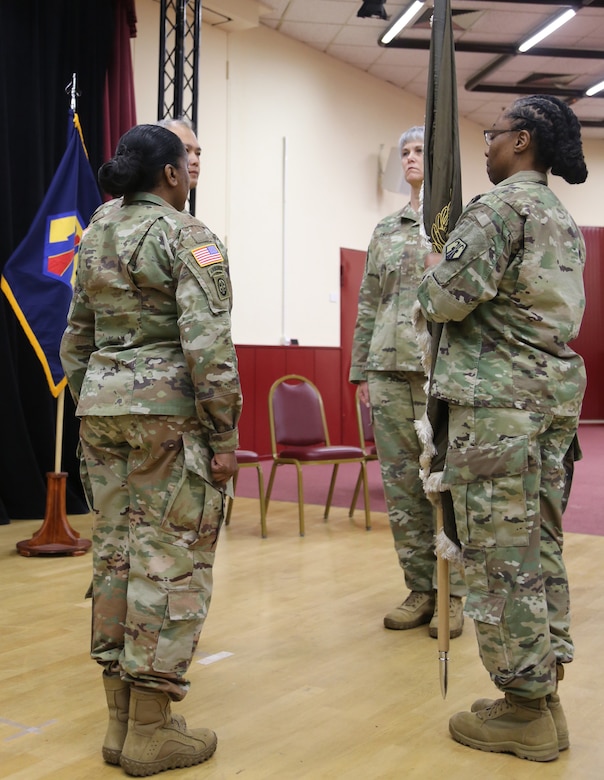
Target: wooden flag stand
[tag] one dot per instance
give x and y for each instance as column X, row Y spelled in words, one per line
column 56, row 536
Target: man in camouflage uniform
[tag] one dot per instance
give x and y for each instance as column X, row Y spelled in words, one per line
column 151, row 365
column 386, row 363
column 510, row 292
column 183, row 128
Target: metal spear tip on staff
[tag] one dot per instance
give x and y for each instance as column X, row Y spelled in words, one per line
column 442, row 597
column 72, row 90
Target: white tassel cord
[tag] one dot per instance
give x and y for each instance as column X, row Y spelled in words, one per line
column 447, row 549
column 433, row 483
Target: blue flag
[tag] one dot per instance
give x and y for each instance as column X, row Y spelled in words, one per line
column 38, row 277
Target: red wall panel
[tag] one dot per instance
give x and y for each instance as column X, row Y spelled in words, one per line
column 247, row 375
column 590, row 342
column 352, row 265
column 260, row 366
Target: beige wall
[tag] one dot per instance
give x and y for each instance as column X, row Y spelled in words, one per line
column 291, row 142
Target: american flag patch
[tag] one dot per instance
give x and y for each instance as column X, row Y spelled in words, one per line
column 206, row 255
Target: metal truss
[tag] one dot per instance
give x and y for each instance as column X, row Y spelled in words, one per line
column 179, row 46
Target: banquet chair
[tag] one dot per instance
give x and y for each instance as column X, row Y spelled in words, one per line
column 367, row 440
column 249, row 458
column 300, row 437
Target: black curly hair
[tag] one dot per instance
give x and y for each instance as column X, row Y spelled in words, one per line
column 556, row 133
column 141, row 154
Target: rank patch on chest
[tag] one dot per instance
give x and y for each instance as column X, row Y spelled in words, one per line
column 456, row 249
column 207, row 255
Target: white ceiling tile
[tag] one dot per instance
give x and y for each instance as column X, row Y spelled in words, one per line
column 312, row 34
column 360, row 56
column 319, row 11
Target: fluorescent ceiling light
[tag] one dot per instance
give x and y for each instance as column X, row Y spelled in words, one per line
column 596, row 88
column 548, row 30
column 402, row 21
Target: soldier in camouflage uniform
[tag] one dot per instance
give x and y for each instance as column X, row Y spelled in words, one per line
column 510, row 292
column 386, row 363
column 184, row 130
column 151, row 365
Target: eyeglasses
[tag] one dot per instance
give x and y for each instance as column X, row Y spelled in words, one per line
column 490, row 134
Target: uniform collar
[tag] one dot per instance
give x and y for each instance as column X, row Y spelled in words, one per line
column 407, row 213
column 534, row 176
column 148, row 197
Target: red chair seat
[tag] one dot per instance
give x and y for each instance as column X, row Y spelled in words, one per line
column 334, row 452
column 247, row 456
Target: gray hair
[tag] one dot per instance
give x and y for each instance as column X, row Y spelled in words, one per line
column 415, row 133
column 181, row 120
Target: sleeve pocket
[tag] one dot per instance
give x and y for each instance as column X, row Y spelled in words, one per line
column 214, row 281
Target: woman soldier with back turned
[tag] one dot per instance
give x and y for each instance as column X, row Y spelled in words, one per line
column 150, row 363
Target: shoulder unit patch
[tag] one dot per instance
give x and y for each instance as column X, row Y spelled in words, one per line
column 455, row 250
column 220, row 280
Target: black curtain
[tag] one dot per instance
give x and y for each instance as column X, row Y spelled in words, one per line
column 42, row 42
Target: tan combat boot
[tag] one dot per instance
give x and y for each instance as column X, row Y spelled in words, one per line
column 118, row 701
column 524, row 727
column 554, row 705
column 416, row 609
column 158, row 740
column 455, row 618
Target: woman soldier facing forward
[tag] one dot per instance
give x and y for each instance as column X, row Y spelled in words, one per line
column 386, row 364
column 509, row 288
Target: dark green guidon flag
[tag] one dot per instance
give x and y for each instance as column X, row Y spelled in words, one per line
column 442, row 199
column 442, row 207
column 442, row 176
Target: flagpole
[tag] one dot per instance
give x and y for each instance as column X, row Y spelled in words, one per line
column 74, row 94
column 59, row 430
column 442, row 595
column 442, row 206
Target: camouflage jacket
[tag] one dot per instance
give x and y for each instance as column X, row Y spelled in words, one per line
column 384, row 336
column 510, row 290
column 149, row 327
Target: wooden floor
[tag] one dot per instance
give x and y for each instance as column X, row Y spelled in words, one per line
column 294, row 670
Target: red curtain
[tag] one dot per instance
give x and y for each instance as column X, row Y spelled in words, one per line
column 119, row 103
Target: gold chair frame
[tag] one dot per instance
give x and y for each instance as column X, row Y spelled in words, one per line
column 361, row 411
column 249, row 459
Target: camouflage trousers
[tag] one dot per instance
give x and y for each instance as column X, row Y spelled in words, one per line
column 506, row 471
column 156, row 523
column 397, row 400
